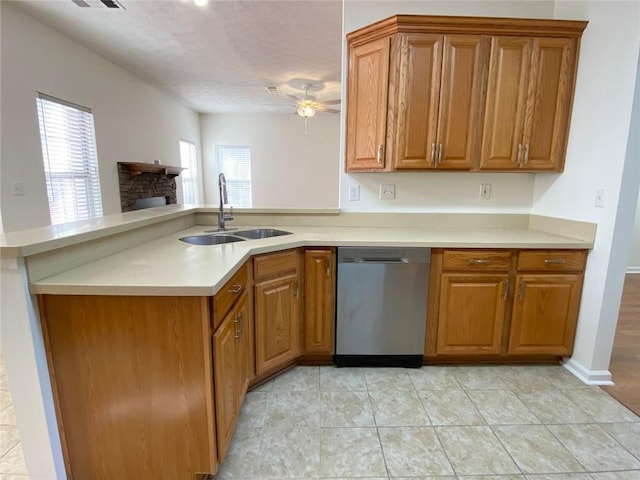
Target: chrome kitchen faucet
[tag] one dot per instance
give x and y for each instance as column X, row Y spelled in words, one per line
column 222, row 216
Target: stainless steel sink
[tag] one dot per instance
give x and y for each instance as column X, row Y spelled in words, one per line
column 261, row 233
column 211, row 239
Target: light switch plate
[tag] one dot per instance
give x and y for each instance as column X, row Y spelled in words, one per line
column 485, row 191
column 354, row 193
column 387, row 191
column 18, row 188
column 601, row 194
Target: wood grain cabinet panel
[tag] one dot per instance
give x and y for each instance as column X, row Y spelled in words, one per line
column 528, row 103
column 277, row 312
column 133, row 385
column 471, row 317
column 367, row 89
column 545, row 313
column 319, row 301
column 439, row 100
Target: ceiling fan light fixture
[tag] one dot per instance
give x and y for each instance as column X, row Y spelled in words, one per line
column 201, row 3
column 306, row 111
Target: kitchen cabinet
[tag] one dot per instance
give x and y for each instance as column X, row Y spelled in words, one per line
column 277, row 299
column 545, row 311
column 503, row 304
column 528, row 105
column 474, row 287
column 460, row 93
column 132, row 381
column 231, row 354
column 438, row 98
column 319, row 301
column 367, row 88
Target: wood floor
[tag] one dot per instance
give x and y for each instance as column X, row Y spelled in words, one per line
column 625, row 360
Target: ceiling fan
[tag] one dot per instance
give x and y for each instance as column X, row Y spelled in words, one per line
column 307, row 106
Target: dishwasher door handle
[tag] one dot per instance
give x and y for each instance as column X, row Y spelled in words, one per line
column 381, row 260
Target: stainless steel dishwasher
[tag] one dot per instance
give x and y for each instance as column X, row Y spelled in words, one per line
column 381, row 306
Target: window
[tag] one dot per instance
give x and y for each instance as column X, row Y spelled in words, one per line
column 70, row 160
column 190, row 177
column 235, row 163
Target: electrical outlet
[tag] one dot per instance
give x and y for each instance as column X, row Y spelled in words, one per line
column 485, row 191
column 387, row 192
column 18, row 188
column 354, row 193
column 601, row 193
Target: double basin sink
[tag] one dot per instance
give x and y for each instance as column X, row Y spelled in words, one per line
column 230, row 237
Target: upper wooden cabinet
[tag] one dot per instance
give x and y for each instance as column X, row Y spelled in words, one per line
column 438, row 98
column 460, row 93
column 528, row 104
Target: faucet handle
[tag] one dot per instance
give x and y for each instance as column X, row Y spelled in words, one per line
column 229, row 216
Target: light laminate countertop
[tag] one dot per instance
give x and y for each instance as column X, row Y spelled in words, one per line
column 167, row 266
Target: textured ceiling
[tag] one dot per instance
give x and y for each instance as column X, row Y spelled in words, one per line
column 217, row 58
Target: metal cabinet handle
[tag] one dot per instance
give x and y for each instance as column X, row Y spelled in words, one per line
column 236, row 288
column 440, row 154
column 506, row 289
column 519, row 154
column 297, row 287
column 237, row 323
column 478, row 261
column 241, row 323
column 379, row 154
column 521, row 290
column 328, row 264
column 526, row 153
column 555, row 261
column 433, row 154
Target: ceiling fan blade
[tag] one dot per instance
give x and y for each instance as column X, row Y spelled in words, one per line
column 332, row 102
column 293, row 97
column 328, row 110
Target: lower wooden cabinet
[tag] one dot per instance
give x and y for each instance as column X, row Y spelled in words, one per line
column 231, row 356
column 545, row 313
column 471, row 315
column 277, row 299
column 319, row 301
column 503, row 303
column 133, row 385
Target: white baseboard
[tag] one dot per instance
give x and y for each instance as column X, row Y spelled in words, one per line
column 633, row 270
column 588, row 377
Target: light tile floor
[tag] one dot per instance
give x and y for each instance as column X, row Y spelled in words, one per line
column 470, row 423
column 12, row 465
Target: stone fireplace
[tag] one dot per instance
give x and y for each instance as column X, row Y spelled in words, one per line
column 143, row 185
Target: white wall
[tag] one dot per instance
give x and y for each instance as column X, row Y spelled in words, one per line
column 601, row 153
column 634, row 254
column 289, row 169
column 134, row 122
column 436, row 191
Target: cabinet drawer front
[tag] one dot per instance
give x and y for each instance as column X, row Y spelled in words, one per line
column 552, row 260
column 476, row 260
column 272, row 264
column 227, row 296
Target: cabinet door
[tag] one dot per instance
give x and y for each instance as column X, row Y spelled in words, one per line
column 547, row 115
column 245, row 344
column 418, row 93
column 227, row 378
column 319, row 301
column 471, row 317
column 464, row 70
column 277, row 323
column 545, row 313
column 506, row 98
column 367, row 106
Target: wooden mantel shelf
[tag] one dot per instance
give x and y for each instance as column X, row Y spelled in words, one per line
column 136, row 168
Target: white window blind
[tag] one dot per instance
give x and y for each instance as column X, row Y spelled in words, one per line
column 190, row 176
column 235, row 163
column 70, row 160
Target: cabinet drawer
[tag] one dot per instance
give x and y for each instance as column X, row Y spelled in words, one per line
column 552, row 260
column 476, row 260
column 227, row 296
column 271, row 264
